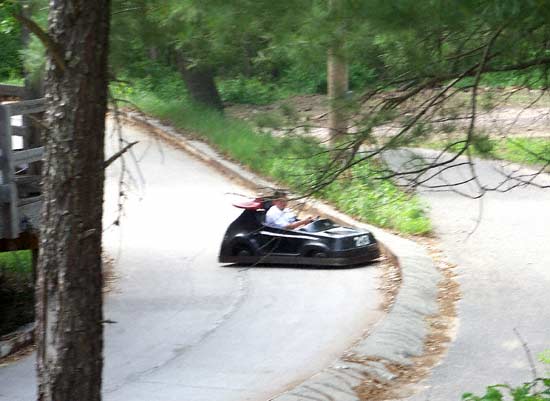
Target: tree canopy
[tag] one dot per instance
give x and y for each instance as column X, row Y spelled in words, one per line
column 419, row 66
column 414, row 65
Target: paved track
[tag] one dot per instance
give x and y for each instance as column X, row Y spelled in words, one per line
column 189, row 329
column 501, row 246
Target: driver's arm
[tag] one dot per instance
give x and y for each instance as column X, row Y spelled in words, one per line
column 298, row 223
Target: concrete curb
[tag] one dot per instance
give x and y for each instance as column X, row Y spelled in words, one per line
column 396, row 339
column 16, row 340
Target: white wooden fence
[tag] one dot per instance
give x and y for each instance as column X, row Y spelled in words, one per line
column 20, row 196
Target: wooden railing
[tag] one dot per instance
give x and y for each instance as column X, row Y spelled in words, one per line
column 20, row 196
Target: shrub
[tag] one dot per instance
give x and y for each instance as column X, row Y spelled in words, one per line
column 483, row 144
column 248, row 90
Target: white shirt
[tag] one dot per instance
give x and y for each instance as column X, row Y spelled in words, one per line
column 279, row 218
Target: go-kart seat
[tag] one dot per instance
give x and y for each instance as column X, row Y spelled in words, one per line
column 266, row 204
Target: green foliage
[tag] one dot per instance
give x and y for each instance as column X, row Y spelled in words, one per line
column 268, row 120
column 282, row 47
column 529, row 151
column 293, row 162
column 532, row 78
column 362, row 75
column 537, row 390
column 482, row 144
column 31, row 60
column 426, row 42
column 17, row 262
column 11, row 63
column 304, row 77
column 34, row 57
column 524, row 150
column 249, row 90
column 152, row 77
column 16, row 290
column 378, row 202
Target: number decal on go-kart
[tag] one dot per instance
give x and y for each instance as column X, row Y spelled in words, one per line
column 361, row 240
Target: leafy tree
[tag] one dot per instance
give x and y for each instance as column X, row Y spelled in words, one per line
column 206, row 40
column 182, row 32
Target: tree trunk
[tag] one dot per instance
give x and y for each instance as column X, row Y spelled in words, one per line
column 200, row 83
column 337, row 79
column 69, row 296
column 337, row 82
column 153, row 53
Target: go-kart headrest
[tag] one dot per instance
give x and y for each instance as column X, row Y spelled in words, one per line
column 250, row 204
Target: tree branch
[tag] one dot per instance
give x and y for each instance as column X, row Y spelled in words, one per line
column 111, row 159
column 43, row 36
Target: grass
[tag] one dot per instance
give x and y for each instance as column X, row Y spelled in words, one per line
column 12, row 80
column 16, row 262
column 528, row 151
column 531, row 151
column 291, row 161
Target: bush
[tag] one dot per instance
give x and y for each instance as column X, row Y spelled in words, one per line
column 483, row 144
column 305, row 79
column 149, row 77
column 248, row 90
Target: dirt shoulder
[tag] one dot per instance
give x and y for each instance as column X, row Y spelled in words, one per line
column 501, row 112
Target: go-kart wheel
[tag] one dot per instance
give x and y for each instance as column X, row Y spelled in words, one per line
column 243, row 250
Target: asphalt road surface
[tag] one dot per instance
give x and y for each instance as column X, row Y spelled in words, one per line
column 500, row 244
column 187, row 328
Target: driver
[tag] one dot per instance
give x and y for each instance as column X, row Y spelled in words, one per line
column 279, row 216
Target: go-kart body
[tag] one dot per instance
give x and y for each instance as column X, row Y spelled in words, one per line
column 248, row 240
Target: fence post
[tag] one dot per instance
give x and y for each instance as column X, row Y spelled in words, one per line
column 9, row 189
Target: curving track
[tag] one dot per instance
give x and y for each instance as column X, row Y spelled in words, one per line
column 500, row 244
column 189, row 329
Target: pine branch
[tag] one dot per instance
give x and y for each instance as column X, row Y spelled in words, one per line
column 43, row 36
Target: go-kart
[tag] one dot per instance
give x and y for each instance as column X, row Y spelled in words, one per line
column 248, row 240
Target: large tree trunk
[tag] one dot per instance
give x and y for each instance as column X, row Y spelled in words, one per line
column 69, row 297
column 200, row 83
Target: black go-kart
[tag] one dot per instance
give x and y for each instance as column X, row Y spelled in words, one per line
column 248, row 240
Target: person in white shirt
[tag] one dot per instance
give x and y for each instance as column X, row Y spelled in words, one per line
column 279, row 216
